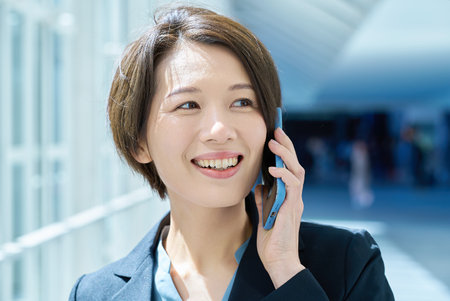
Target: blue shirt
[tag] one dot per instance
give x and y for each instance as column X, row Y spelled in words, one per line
column 163, row 286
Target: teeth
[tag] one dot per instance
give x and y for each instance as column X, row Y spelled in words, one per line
column 225, row 164
column 218, row 164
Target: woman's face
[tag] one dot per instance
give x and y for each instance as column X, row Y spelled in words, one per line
column 205, row 132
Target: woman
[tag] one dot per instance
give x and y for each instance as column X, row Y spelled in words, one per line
column 192, row 109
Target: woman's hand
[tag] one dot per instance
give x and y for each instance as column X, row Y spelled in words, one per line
column 278, row 247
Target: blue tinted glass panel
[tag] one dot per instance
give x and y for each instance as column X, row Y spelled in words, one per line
column 38, row 82
column 16, row 22
column 38, row 192
column 106, row 178
column 18, row 291
column 124, row 30
column 18, row 201
column 106, row 25
column 57, row 85
column 57, row 190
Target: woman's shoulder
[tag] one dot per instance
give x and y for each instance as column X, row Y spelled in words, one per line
column 339, row 244
column 315, row 233
column 99, row 285
column 344, row 261
column 106, row 282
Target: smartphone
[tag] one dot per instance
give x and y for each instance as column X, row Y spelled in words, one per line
column 276, row 196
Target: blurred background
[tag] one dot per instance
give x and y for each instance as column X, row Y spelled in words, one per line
column 366, row 89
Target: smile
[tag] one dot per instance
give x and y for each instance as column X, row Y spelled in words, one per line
column 218, row 164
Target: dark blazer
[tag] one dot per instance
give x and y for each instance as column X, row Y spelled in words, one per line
column 341, row 265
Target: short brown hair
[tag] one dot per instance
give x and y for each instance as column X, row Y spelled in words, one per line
column 134, row 82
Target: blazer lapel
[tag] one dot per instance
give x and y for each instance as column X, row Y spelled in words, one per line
column 139, row 287
column 137, row 268
column 252, row 282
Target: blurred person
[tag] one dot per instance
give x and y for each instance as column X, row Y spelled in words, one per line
column 421, row 158
column 192, row 108
column 360, row 191
column 342, row 158
column 405, row 155
column 321, row 162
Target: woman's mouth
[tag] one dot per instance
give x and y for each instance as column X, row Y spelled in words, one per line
column 218, row 164
column 218, row 168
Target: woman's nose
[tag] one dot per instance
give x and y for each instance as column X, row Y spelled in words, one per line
column 217, row 128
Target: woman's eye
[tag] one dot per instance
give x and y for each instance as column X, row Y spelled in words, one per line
column 244, row 102
column 189, row 105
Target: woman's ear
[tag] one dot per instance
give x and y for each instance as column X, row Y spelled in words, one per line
column 142, row 153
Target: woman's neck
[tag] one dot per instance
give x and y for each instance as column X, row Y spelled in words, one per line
column 203, row 239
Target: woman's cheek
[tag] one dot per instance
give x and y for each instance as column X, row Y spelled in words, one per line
column 256, row 134
column 167, row 141
column 260, row 133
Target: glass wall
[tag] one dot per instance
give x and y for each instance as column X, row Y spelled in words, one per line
column 59, row 171
column 68, row 204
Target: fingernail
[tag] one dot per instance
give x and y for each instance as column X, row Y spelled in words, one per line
column 273, row 141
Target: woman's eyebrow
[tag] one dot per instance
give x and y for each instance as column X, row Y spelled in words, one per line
column 193, row 89
column 182, row 90
column 240, row 86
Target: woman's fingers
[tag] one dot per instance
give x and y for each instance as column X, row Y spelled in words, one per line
column 293, row 203
column 289, row 158
column 289, row 179
column 283, row 139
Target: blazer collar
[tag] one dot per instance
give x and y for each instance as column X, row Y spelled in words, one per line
column 137, row 267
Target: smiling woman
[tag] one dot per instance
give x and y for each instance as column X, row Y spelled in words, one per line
column 192, row 108
column 133, row 88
